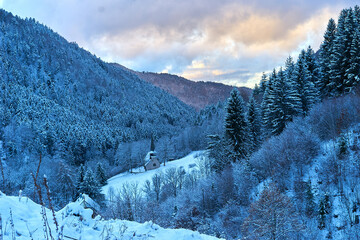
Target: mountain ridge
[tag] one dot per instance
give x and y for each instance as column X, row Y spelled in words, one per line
column 195, row 94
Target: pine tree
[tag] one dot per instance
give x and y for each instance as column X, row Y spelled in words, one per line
column 305, row 88
column 340, row 57
column 79, row 181
column 220, row 151
column 310, row 204
column 253, row 118
column 312, row 66
column 90, row 185
column 285, row 104
column 325, row 53
column 100, row 174
column 267, row 106
column 324, row 210
column 236, row 125
column 289, row 68
column 293, row 97
column 263, row 83
column 152, row 144
column 352, row 73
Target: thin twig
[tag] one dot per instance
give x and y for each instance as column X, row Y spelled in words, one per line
column 47, row 229
column 1, row 230
column 50, row 203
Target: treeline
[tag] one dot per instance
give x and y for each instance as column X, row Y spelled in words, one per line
column 293, row 90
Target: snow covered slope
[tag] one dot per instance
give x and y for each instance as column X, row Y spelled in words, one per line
column 75, row 222
column 140, row 176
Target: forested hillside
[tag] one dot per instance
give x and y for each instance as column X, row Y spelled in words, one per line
column 60, row 102
column 283, row 165
column 195, row 94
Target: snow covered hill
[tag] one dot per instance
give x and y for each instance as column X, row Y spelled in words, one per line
column 140, row 176
column 21, row 219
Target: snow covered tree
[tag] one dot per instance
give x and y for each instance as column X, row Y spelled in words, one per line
column 325, row 53
column 272, row 217
column 65, row 185
column 152, row 143
column 236, row 125
column 285, row 103
column 340, row 57
column 80, row 180
column 304, row 86
column 312, row 65
column 100, row 174
column 254, row 120
column 324, row 210
column 220, row 152
column 263, row 83
column 90, row 185
column 267, row 105
column 309, row 203
column 352, row 73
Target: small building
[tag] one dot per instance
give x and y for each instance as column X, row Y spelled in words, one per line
column 88, row 203
column 151, row 161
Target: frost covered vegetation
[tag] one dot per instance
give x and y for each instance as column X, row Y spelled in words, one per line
column 76, row 222
column 284, row 165
column 66, row 106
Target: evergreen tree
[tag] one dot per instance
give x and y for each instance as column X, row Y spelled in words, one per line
column 340, row 57
column 100, row 174
column 305, row 88
column 267, row 106
column 312, row 66
column 236, row 125
column 324, row 210
column 293, row 96
column 256, row 90
column 289, row 68
column 90, row 185
column 263, row 83
column 152, row 144
column 254, row 117
column 285, row 104
column 80, row 180
column 220, row 152
column 310, row 204
column 352, row 73
column 325, row 53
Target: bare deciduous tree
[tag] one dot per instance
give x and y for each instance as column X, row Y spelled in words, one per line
column 272, row 217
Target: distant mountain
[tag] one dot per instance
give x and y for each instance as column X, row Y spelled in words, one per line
column 55, row 95
column 195, row 94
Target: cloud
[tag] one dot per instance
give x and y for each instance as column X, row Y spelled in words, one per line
column 229, row 41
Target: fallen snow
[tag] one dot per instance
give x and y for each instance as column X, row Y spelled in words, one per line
column 140, row 176
column 76, row 223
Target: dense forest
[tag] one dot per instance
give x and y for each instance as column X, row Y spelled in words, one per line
column 283, row 165
column 66, row 106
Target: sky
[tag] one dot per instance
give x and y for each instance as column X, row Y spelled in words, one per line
column 227, row 41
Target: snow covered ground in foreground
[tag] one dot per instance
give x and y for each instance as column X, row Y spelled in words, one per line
column 27, row 223
column 140, row 176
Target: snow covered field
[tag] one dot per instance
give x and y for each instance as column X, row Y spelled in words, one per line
column 140, row 176
column 26, row 222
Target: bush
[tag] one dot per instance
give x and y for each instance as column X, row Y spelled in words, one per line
column 296, row 146
column 329, row 118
